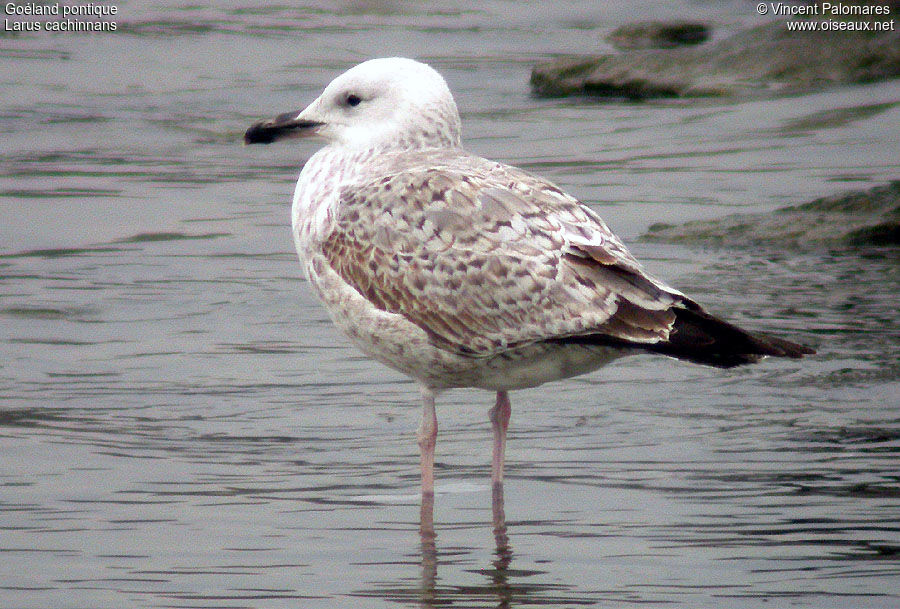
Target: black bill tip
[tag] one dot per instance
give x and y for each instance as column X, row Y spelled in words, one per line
column 282, row 126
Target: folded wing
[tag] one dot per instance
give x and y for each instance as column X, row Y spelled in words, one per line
column 485, row 257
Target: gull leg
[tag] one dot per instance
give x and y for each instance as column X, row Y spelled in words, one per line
column 499, row 416
column 427, row 440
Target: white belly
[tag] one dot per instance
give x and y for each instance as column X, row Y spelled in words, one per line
column 392, row 340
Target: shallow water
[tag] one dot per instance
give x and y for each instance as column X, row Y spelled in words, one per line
column 181, row 426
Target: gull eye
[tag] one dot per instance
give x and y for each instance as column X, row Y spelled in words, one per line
column 353, row 100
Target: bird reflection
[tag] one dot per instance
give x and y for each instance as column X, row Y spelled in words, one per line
column 502, row 585
column 429, row 551
column 502, row 551
column 499, row 574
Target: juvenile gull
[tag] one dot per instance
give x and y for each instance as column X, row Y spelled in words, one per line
column 464, row 272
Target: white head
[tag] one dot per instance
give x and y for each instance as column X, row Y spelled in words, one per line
column 390, row 103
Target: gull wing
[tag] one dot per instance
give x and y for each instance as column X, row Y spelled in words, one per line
column 485, row 257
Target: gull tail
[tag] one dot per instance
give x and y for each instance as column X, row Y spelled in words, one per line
column 699, row 337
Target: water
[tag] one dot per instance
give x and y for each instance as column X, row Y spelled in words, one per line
column 181, row 426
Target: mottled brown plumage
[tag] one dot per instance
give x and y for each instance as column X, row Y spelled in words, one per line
column 486, row 258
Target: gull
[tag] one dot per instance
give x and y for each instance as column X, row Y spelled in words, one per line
column 459, row 271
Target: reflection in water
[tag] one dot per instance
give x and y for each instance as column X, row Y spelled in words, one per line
column 429, row 551
column 500, row 575
column 499, row 585
column 502, row 587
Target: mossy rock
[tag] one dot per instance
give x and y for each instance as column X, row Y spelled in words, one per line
column 762, row 60
column 869, row 218
column 659, row 34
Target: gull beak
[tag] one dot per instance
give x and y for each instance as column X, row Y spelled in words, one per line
column 287, row 125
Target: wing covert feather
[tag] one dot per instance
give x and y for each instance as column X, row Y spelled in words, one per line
column 485, row 257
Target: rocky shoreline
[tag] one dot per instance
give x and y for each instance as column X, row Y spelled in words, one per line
column 767, row 59
column 857, row 219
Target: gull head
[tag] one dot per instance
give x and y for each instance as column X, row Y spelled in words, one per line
column 387, row 103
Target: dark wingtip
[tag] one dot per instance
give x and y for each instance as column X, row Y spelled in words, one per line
column 698, row 336
column 778, row 347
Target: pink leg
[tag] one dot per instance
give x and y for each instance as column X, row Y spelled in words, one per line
column 499, row 416
column 427, row 441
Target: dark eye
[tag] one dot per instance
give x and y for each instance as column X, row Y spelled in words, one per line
column 353, row 100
